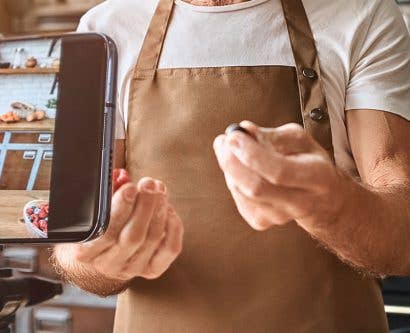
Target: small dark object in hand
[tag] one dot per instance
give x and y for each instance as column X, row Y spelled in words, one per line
column 4, row 65
column 236, row 127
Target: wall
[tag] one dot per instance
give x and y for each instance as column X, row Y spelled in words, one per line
column 33, row 89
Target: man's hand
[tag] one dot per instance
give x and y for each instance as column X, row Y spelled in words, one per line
column 144, row 237
column 282, row 176
column 285, row 175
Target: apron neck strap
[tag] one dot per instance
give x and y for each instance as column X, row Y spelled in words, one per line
column 301, row 37
column 154, row 39
column 312, row 98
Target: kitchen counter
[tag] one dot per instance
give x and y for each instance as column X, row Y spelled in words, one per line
column 11, row 211
column 46, row 125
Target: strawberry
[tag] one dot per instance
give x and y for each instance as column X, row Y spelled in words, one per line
column 43, row 224
column 43, row 214
column 36, row 224
column 29, row 211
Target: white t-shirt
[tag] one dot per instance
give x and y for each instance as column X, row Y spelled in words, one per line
column 363, row 46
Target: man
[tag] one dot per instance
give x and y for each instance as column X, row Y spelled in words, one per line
column 331, row 200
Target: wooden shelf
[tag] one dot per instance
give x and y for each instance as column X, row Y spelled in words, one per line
column 22, row 71
column 46, row 125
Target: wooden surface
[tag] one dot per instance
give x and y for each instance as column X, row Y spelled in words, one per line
column 16, row 171
column 11, row 211
column 46, row 125
column 22, row 71
column 43, row 176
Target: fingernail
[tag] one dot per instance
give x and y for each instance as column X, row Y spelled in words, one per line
column 161, row 187
column 130, row 194
column 149, row 185
column 245, row 123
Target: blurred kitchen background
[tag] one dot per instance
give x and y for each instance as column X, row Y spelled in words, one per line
column 32, row 16
column 76, row 311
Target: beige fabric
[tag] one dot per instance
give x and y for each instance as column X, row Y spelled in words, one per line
column 229, row 277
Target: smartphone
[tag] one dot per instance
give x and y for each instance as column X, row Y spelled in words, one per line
column 57, row 107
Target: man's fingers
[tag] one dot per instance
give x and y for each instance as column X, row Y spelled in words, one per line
column 110, row 263
column 257, row 188
column 254, row 157
column 134, row 233
column 123, row 202
column 169, row 249
column 246, row 179
column 150, row 216
column 251, row 213
column 122, row 207
column 122, row 213
column 303, row 171
column 287, row 139
column 220, row 149
column 139, row 260
column 260, row 216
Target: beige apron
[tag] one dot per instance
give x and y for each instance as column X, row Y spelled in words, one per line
column 231, row 278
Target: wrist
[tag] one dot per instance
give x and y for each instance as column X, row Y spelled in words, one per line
column 82, row 274
column 329, row 209
column 61, row 258
column 65, row 257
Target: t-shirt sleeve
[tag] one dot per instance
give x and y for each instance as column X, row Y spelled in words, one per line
column 86, row 26
column 380, row 73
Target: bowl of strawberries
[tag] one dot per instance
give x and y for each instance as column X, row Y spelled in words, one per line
column 35, row 214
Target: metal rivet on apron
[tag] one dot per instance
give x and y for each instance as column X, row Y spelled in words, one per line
column 309, row 73
column 317, row 114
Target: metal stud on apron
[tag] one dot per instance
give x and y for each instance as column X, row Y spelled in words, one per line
column 230, row 278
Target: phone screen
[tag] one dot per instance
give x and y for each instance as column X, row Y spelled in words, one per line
column 29, row 92
column 51, row 122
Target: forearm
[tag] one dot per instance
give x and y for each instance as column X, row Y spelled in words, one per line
column 82, row 275
column 371, row 229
